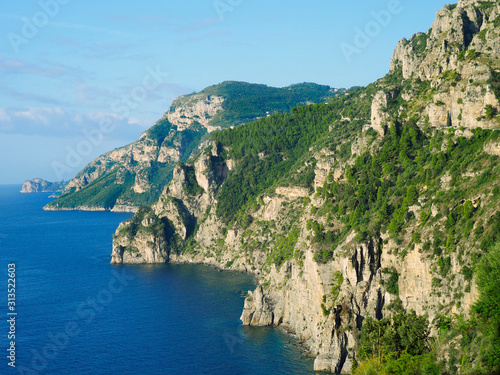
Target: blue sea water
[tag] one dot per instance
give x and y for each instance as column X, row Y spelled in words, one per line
column 77, row 314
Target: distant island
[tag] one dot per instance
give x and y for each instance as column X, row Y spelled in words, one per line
column 38, row 185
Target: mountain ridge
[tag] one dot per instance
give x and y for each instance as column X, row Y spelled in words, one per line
column 134, row 175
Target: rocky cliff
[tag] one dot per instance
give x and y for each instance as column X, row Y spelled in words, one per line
column 457, row 63
column 38, row 185
column 368, row 205
column 134, row 175
column 323, row 304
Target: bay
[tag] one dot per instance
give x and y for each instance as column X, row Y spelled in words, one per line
column 78, row 314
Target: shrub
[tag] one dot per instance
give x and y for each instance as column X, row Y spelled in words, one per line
column 444, row 265
column 284, row 248
column 487, row 307
column 405, row 332
column 489, row 111
column 392, row 284
column 338, row 279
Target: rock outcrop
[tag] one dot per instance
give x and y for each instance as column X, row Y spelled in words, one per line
column 379, row 112
column 38, row 185
column 188, row 111
column 454, row 65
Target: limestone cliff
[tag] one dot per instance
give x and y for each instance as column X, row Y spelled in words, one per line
column 351, row 209
column 323, row 304
column 454, row 66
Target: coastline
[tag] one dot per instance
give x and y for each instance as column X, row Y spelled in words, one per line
column 118, row 208
column 306, row 351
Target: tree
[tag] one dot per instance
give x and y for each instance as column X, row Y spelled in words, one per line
column 405, row 332
column 489, row 111
column 384, row 212
column 468, row 209
column 411, row 195
column 487, row 307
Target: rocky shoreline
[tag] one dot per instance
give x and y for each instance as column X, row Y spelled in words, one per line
column 244, row 318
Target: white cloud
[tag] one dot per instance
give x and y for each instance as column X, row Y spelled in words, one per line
column 142, row 122
column 4, row 116
column 14, row 66
column 57, row 122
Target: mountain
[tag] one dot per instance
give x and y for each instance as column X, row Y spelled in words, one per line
column 132, row 176
column 38, row 185
column 372, row 221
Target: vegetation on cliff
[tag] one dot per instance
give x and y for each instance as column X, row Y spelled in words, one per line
column 402, row 345
column 268, row 151
column 381, row 201
column 247, row 102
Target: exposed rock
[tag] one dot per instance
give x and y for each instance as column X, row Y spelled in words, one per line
column 38, row 185
column 492, row 148
column 325, row 303
column 451, row 57
column 190, row 110
column 256, row 311
column 379, row 112
column 292, row 192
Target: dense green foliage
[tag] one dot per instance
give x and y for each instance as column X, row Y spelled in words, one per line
column 247, row 102
column 404, row 332
column 105, row 191
column 392, row 284
column 379, row 186
column 284, row 248
column 397, row 345
column 487, row 308
column 268, row 150
column 191, row 185
column 379, row 189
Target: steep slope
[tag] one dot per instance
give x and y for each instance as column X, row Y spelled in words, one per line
column 449, row 76
column 378, row 202
column 135, row 175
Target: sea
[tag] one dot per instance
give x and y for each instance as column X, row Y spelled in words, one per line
column 67, row 310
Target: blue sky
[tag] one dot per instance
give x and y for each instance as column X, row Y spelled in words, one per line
column 79, row 78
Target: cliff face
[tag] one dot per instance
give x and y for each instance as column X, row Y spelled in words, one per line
column 323, row 304
column 38, row 185
column 369, row 211
column 134, row 175
column 457, row 61
column 198, row 108
column 184, row 200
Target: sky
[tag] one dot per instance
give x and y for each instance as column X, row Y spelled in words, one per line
column 80, row 78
